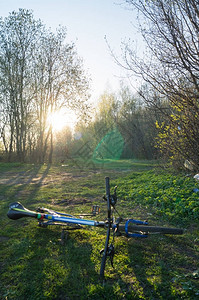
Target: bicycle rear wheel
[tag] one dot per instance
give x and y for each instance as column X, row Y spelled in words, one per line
column 149, row 229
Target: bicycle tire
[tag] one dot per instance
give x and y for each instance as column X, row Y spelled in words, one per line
column 103, row 264
column 150, row 229
column 103, row 261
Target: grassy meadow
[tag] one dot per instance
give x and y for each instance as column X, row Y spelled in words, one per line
column 35, row 265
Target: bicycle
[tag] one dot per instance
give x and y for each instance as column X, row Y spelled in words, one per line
column 120, row 227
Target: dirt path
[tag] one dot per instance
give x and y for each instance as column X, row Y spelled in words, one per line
column 37, row 177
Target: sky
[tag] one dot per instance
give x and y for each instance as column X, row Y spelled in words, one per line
column 88, row 22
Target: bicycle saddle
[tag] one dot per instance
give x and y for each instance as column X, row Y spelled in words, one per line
column 17, row 211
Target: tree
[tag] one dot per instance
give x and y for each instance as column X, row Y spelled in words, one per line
column 106, row 116
column 18, row 33
column 62, row 143
column 137, row 125
column 170, row 30
column 59, row 81
column 39, row 74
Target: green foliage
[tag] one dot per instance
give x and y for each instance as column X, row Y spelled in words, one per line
column 170, row 195
column 177, row 138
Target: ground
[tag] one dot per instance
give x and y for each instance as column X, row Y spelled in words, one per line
column 34, row 265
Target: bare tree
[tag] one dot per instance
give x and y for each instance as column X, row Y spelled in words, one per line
column 59, row 81
column 18, row 33
column 170, row 30
column 39, row 74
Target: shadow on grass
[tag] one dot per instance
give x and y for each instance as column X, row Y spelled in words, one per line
column 155, row 262
column 22, row 185
column 13, row 175
column 39, row 267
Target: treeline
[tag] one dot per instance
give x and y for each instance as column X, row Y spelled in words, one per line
column 170, row 69
column 40, row 73
column 116, row 113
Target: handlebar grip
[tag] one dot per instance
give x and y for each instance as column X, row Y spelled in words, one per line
column 18, row 211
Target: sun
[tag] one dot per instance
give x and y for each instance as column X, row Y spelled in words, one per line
column 62, row 118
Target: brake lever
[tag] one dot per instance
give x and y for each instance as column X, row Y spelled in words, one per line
column 113, row 198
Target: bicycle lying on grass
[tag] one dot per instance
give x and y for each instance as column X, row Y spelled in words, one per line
column 125, row 227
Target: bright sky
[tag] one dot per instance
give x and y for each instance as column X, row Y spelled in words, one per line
column 87, row 22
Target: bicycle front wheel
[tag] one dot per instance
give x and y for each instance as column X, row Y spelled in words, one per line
column 150, row 229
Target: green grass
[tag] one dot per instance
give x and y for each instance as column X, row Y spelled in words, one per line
column 35, row 265
column 171, row 196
